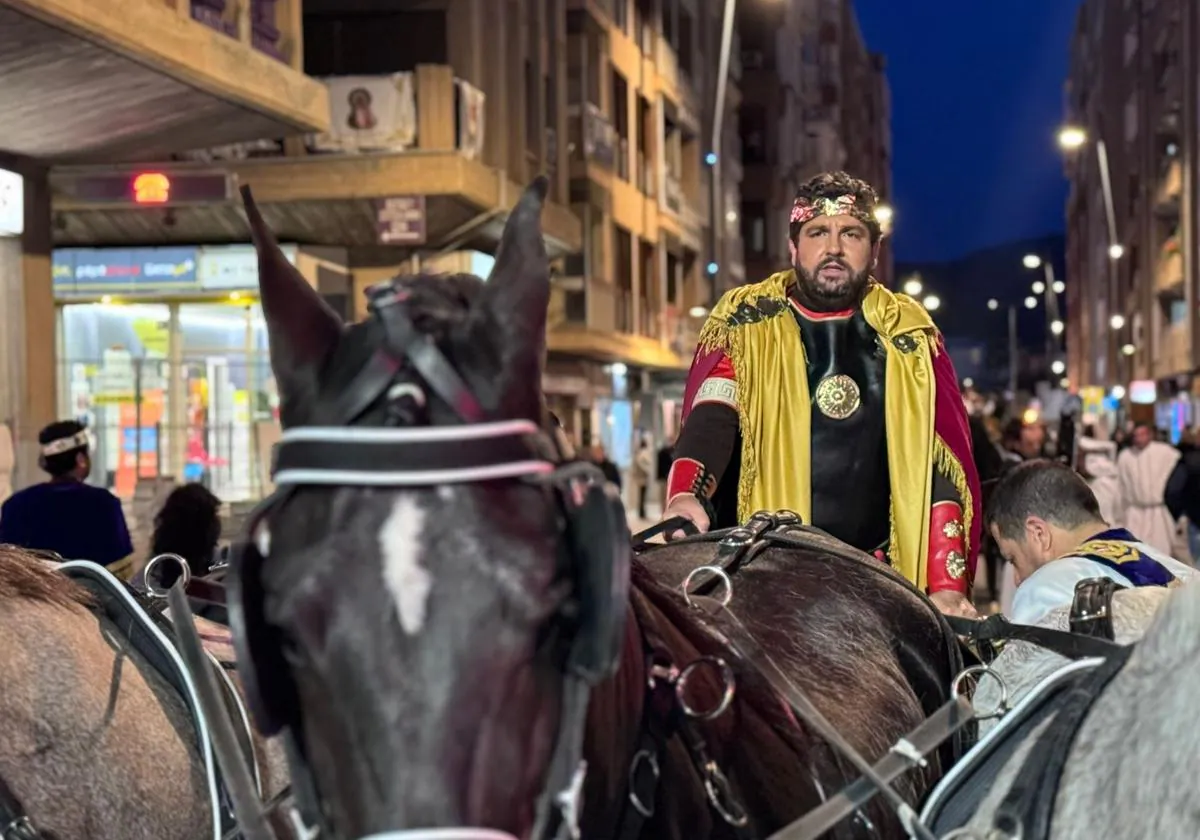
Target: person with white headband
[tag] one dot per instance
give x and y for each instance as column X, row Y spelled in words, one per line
column 66, row 515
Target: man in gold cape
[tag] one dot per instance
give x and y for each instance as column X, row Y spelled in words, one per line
column 820, row 391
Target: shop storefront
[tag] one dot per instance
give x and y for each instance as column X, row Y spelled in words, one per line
column 163, row 353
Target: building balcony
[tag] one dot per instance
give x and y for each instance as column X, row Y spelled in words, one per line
column 592, row 137
column 598, row 321
column 1168, row 274
column 674, row 85
column 399, row 169
column 144, row 79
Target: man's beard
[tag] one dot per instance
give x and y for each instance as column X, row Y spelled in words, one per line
column 822, row 295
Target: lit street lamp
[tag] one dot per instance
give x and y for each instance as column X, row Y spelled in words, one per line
column 913, row 286
column 931, row 302
column 993, row 304
column 1056, row 327
column 1038, row 287
column 1117, row 321
column 1071, row 137
column 1031, row 302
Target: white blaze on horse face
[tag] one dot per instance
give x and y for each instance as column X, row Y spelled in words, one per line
column 406, row 579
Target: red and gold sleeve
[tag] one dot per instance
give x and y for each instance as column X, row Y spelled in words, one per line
column 948, row 567
column 708, row 437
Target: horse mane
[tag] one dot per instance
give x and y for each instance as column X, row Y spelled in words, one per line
column 26, row 577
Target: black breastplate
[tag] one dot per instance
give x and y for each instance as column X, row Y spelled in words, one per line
column 850, row 487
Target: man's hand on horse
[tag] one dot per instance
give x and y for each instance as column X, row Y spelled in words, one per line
column 689, row 508
column 950, row 602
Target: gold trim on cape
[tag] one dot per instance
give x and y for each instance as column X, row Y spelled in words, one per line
column 774, row 408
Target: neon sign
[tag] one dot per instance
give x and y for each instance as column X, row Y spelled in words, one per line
column 151, row 188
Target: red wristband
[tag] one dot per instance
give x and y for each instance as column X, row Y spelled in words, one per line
column 949, row 568
column 689, row 476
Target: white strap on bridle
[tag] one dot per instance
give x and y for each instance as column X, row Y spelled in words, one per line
column 443, row 834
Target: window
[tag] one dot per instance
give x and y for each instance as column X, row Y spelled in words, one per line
column 754, row 227
column 1131, row 117
column 752, row 126
column 620, row 119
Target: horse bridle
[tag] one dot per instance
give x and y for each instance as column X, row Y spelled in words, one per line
column 594, row 547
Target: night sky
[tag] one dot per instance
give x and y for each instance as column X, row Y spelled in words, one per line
column 977, row 94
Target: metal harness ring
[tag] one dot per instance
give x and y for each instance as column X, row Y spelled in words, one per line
column 651, row 761
column 155, row 591
column 727, row 678
column 719, row 573
column 716, row 786
column 980, row 671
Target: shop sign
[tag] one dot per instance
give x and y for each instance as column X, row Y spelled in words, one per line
column 89, row 271
column 230, row 267
column 12, row 203
column 400, row 220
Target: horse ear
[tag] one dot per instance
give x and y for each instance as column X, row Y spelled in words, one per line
column 515, row 297
column 301, row 328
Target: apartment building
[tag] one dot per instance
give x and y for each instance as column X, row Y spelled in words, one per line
column 104, row 82
column 814, row 99
column 1132, row 310
column 436, row 113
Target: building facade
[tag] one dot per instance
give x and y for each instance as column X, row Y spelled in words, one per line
column 436, row 115
column 814, row 99
column 1133, row 87
column 126, row 78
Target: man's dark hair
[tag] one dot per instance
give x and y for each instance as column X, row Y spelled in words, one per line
column 62, row 463
column 1046, row 489
column 832, row 185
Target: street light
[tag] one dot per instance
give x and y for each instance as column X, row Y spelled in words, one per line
column 698, row 311
column 913, row 286
column 1038, row 287
column 1116, row 251
column 1128, row 349
column 932, row 302
column 1032, row 261
column 1117, row 321
column 1059, row 287
column 1057, row 367
column 1031, row 302
column 884, row 214
column 1056, row 327
column 993, row 304
column 1071, row 137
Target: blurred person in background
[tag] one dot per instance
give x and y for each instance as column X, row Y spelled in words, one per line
column 188, row 524
column 65, row 515
column 609, row 468
column 1143, row 470
column 1097, row 463
column 643, row 473
column 1182, row 495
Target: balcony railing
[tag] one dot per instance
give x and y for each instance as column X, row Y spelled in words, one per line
column 386, row 114
column 256, row 22
column 592, row 137
column 673, row 193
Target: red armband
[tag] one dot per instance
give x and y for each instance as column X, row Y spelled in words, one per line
column 947, row 569
column 689, row 476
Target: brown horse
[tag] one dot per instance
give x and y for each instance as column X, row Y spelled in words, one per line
column 413, row 621
column 94, row 742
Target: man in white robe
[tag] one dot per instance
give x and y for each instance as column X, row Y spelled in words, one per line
column 1098, row 465
column 1143, row 470
column 1047, row 524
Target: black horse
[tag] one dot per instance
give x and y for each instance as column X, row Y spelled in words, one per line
column 430, row 590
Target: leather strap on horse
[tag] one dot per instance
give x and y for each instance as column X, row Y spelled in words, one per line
column 907, row 753
column 997, row 628
column 14, row 822
column 238, row 780
column 1027, row 810
column 743, row 642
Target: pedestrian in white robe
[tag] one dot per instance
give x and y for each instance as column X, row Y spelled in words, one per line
column 1143, row 470
column 1098, row 464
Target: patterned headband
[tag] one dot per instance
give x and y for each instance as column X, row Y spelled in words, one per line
column 57, row 447
column 804, row 210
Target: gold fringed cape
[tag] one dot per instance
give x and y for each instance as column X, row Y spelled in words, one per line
column 774, row 405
